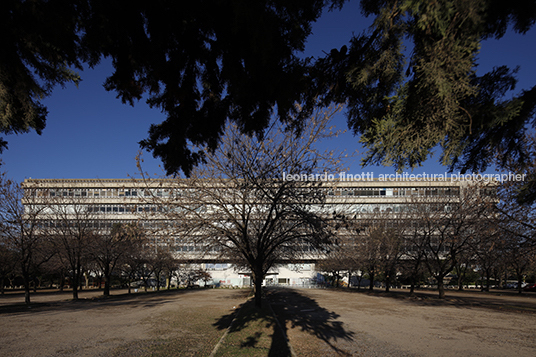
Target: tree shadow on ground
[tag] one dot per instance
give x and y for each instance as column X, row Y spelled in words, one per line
column 249, row 327
column 135, row 300
column 458, row 299
column 304, row 313
column 292, row 310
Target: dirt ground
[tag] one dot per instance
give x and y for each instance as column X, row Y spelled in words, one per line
column 186, row 323
column 317, row 323
column 327, row 322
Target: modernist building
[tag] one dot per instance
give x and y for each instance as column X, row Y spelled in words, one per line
column 111, row 201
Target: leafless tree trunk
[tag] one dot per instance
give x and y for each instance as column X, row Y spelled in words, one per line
column 517, row 226
column 72, row 219
column 452, row 228
column 245, row 204
column 23, row 230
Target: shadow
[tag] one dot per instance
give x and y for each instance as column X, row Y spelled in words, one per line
column 135, row 300
column 237, row 294
column 304, row 313
column 251, row 341
column 281, row 308
column 459, row 299
column 248, row 318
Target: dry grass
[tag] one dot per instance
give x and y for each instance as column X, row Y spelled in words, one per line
column 254, row 332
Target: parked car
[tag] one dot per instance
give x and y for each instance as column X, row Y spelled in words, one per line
column 514, row 285
column 530, row 287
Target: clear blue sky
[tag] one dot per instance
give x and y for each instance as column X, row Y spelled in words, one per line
column 91, row 134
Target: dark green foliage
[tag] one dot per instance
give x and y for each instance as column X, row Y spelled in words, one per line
column 200, row 62
column 39, row 46
column 406, row 104
column 205, row 62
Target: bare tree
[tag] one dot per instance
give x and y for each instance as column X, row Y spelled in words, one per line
column 519, row 257
column 8, row 260
column 72, row 223
column 516, row 223
column 488, row 248
column 135, row 258
column 374, row 243
column 189, row 274
column 170, row 266
column 107, row 248
column 370, row 250
column 453, row 223
column 162, row 262
column 258, row 202
column 334, row 263
column 417, row 230
column 392, row 239
column 23, row 230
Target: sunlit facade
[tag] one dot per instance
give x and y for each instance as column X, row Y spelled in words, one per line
column 118, row 201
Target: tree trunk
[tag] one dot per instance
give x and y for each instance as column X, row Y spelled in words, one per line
column 371, row 278
column 76, row 283
column 106, row 285
column 26, row 278
column 488, row 279
column 75, row 289
column 257, row 287
column 388, row 280
column 460, row 284
column 440, row 287
column 62, row 280
column 498, row 279
column 519, row 284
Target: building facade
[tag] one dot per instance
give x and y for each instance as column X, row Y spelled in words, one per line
column 106, row 202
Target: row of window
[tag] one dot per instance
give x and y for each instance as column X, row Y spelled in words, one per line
column 389, row 208
column 340, row 208
column 109, row 223
column 104, row 192
column 396, row 192
column 346, row 208
column 351, row 191
column 131, row 209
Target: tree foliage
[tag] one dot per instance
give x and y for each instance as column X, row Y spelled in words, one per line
column 40, row 46
column 406, row 100
column 201, row 62
column 205, row 62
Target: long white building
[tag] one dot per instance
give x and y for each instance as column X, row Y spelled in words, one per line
column 110, row 201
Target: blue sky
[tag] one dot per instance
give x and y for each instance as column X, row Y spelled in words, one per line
column 91, row 134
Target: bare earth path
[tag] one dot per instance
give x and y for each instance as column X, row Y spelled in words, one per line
column 329, row 322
